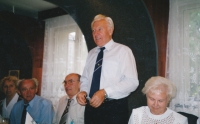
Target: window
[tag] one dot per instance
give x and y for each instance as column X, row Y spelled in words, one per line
column 183, row 54
column 65, row 52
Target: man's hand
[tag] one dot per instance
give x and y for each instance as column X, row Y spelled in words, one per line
column 81, row 98
column 98, row 98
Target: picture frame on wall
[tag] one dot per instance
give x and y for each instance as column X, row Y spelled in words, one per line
column 14, row 73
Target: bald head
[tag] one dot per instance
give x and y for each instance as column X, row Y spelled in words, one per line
column 72, row 84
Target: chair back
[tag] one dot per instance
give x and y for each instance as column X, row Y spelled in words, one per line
column 192, row 119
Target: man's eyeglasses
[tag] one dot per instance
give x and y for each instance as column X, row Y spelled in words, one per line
column 69, row 82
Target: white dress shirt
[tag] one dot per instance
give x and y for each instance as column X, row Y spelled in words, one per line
column 29, row 119
column 7, row 109
column 118, row 76
column 76, row 111
column 198, row 121
column 143, row 115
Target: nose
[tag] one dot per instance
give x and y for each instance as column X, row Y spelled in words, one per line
column 155, row 103
column 9, row 88
column 67, row 84
column 28, row 91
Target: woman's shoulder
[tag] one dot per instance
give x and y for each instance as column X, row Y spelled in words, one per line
column 176, row 113
column 178, row 117
column 140, row 109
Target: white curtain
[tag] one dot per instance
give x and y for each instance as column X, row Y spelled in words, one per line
column 183, row 54
column 65, row 52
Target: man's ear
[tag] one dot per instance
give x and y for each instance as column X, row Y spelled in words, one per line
column 110, row 31
column 18, row 92
column 36, row 89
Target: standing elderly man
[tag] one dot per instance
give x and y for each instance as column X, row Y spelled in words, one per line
column 68, row 110
column 109, row 76
column 40, row 109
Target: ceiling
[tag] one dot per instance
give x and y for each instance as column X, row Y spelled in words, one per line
column 29, row 8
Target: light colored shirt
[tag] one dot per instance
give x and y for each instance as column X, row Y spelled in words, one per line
column 40, row 109
column 143, row 115
column 198, row 121
column 118, row 76
column 29, row 119
column 76, row 111
column 7, row 109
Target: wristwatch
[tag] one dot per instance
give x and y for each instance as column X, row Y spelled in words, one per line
column 105, row 96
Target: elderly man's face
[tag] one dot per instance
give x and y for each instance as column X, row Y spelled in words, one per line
column 72, row 85
column 101, row 33
column 157, row 102
column 9, row 88
column 28, row 90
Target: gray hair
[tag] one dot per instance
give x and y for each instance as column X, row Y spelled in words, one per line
column 100, row 17
column 34, row 80
column 156, row 84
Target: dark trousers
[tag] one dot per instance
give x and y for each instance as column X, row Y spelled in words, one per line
column 110, row 112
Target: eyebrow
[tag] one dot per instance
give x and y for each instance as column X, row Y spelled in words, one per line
column 69, row 80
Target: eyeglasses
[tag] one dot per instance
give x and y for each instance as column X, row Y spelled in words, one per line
column 69, row 82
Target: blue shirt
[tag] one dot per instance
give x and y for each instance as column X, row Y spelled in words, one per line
column 40, row 109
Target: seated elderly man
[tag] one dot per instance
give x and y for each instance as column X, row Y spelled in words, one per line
column 9, row 87
column 33, row 108
column 68, row 110
column 159, row 91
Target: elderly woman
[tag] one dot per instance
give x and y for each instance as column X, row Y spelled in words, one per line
column 159, row 91
column 9, row 87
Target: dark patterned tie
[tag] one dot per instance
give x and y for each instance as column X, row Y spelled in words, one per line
column 23, row 119
column 97, row 73
column 65, row 113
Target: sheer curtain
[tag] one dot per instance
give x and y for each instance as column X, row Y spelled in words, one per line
column 65, row 52
column 183, row 54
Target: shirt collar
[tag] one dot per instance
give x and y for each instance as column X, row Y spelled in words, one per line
column 31, row 103
column 14, row 99
column 107, row 46
column 73, row 101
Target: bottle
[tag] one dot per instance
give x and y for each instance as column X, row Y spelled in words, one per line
column 72, row 122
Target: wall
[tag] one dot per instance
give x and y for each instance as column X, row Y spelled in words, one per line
column 31, row 32
column 159, row 12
